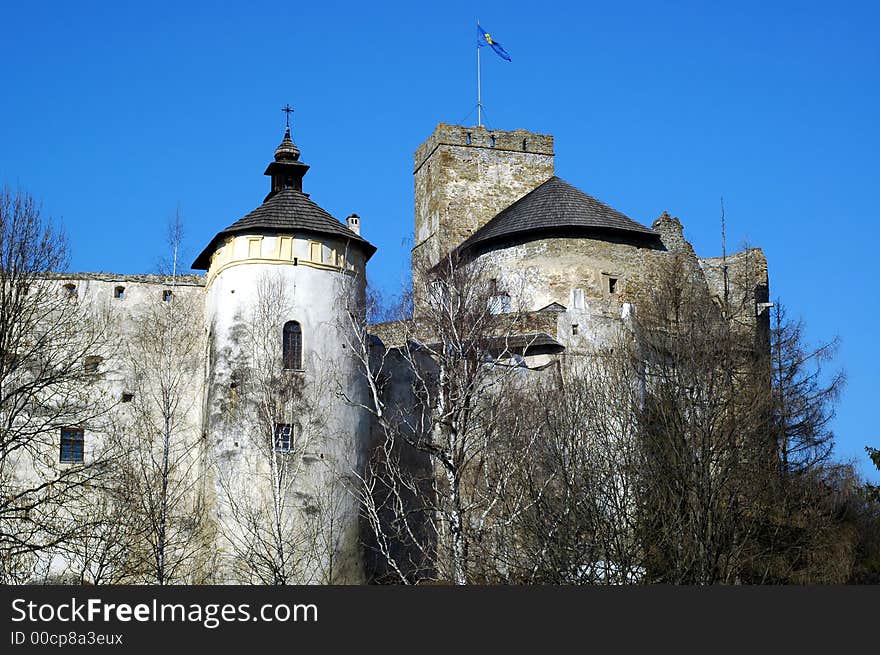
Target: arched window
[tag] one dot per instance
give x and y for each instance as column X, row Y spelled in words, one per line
column 292, row 345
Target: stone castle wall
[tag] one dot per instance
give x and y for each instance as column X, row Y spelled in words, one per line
column 466, row 175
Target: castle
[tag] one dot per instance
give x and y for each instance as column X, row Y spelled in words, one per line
column 269, row 323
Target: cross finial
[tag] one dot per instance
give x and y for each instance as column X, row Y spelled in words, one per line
column 287, row 109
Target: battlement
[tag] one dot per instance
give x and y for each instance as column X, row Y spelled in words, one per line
column 482, row 137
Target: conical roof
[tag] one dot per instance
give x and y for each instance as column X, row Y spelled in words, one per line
column 557, row 206
column 286, row 210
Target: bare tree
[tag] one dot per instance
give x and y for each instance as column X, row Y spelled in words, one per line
column 703, row 429
column 582, row 484
column 162, row 477
column 693, row 448
column 109, row 546
column 46, row 336
column 432, row 493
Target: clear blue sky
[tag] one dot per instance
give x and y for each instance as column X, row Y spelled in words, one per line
column 114, row 114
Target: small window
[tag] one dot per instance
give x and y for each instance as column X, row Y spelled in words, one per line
column 612, row 285
column 71, row 445
column 316, row 252
column 492, row 140
column 468, row 138
column 70, row 290
column 525, row 144
column 291, row 345
column 92, row 363
column 167, row 295
column 10, row 360
column 127, row 396
column 575, row 328
column 285, row 248
column 119, row 293
column 283, row 437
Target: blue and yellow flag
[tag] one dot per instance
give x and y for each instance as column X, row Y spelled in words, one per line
column 483, row 38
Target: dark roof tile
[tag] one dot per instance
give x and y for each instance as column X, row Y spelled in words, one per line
column 553, row 206
column 287, row 211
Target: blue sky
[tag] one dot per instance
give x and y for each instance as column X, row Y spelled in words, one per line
column 115, row 114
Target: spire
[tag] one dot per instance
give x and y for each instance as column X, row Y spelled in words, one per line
column 287, row 150
column 287, row 170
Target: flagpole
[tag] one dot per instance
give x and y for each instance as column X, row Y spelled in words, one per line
column 479, row 91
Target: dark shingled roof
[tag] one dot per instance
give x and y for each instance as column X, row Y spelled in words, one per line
column 533, row 343
column 554, row 206
column 286, row 212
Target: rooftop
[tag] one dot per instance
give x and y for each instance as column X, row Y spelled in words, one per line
column 286, row 212
column 558, row 206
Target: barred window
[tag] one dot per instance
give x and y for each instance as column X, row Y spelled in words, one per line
column 71, row 445
column 292, row 345
column 283, row 437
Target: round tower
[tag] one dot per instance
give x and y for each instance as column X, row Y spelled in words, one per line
column 284, row 435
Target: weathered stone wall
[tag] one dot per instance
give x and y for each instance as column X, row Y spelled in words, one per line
column 571, row 271
column 466, row 175
column 746, row 273
column 578, row 272
column 741, row 282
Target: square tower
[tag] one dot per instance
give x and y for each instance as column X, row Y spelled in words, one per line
column 464, row 176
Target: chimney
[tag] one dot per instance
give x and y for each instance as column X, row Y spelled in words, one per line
column 353, row 223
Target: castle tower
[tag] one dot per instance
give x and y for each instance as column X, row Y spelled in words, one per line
column 282, row 430
column 466, row 175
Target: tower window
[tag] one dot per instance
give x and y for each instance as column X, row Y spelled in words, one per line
column 525, row 144
column 292, row 346
column 468, row 138
column 492, row 140
column 71, row 445
column 92, row 363
column 166, row 295
column 119, row 293
column 283, row 437
column 316, row 252
column 612, row 285
column 70, row 290
column 127, row 396
column 285, row 248
column 575, row 328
